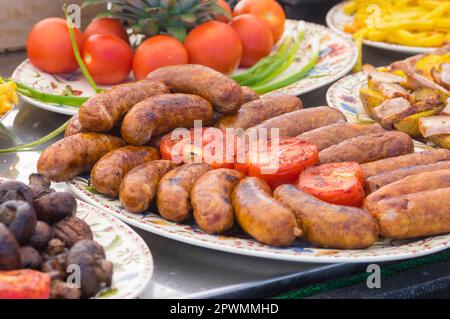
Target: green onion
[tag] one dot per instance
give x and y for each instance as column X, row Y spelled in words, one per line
column 50, row 98
column 76, row 52
column 290, row 59
column 31, row 146
column 294, row 77
column 264, row 62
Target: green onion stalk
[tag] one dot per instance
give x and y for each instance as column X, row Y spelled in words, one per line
column 70, row 100
column 291, row 56
column 264, row 62
column 295, row 76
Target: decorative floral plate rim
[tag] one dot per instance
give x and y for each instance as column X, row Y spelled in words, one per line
column 132, row 259
column 338, row 56
column 237, row 243
column 336, row 19
column 344, row 96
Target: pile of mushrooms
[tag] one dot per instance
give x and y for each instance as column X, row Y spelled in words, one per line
column 38, row 230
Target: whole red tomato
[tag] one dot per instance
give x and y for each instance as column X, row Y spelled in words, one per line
column 256, row 38
column 108, row 58
column 216, row 45
column 269, row 10
column 49, row 47
column 106, row 26
column 227, row 8
column 156, row 52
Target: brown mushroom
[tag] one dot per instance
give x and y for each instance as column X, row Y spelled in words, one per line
column 54, row 207
column 41, row 236
column 30, row 258
column 95, row 271
column 14, row 190
column 9, row 250
column 72, row 230
column 40, row 186
column 63, row 290
column 55, row 247
column 56, row 266
column 20, row 218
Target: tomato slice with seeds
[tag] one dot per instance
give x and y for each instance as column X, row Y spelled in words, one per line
column 24, row 284
column 335, row 183
column 280, row 161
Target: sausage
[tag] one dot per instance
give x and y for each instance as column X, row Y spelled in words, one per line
column 73, row 126
column 138, row 188
column 333, row 134
column 173, row 198
column 390, row 164
column 255, row 112
column 375, row 182
column 409, row 185
column 327, row 225
column 368, row 148
column 75, row 155
column 248, row 95
column 261, row 216
column 415, row 215
column 301, row 121
column 109, row 171
column 163, row 113
column 210, row 198
column 224, row 93
column 101, row 112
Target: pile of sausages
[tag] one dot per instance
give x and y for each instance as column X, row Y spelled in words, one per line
column 114, row 135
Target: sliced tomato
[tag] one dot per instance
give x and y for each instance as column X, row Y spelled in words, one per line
column 279, row 162
column 335, row 183
column 213, row 147
column 24, row 284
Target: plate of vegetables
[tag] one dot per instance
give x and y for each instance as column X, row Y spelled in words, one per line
column 271, row 56
column 45, row 235
column 401, row 26
column 410, row 95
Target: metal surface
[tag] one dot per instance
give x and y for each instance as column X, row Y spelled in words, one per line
column 181, row 271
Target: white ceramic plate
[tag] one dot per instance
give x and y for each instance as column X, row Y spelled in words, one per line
column 338, row 56
column 238, row 243
column 337, row 19
column 132, row 259
column 344, row 95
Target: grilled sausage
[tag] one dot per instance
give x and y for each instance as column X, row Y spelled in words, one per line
column 333, row 134
column 415, row 215
column 75, row 155
column 390, row 164
column 138, row 188
column 163, row 113
column 301, row 121
column 368, row 148
column 375, row 182
column 210, row 198
column 327, row 225
column 101, row 112
column 224, row 93
column 109, row 171
column 174, row 190
column 73, row 126
column 261, row 216
column 255, row 112
column 248, row 95
column 409, row 185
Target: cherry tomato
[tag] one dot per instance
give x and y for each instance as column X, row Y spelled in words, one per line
column 108, row 58
column 106, row 26
column 24, row 284
column 335, row 183
column 156, row 52
column 49, row 47
column 227, row 8
column 256, row 38
column 281, row 162
column 216, row 45
column 209, row 144
column 269, row 10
